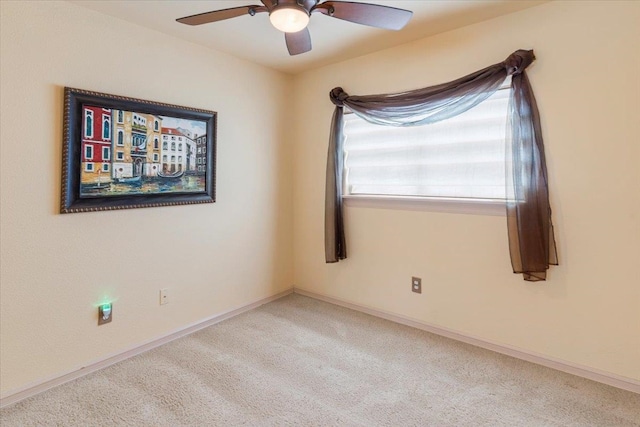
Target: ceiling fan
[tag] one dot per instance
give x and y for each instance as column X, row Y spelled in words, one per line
column 292, row 17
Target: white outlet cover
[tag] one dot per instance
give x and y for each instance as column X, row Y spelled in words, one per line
column 164, row 296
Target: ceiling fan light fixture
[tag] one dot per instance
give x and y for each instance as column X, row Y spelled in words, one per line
column 289, row 18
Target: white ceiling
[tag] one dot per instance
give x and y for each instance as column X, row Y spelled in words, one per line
column 253, row 38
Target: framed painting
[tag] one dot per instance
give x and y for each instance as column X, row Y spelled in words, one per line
column 121, row 153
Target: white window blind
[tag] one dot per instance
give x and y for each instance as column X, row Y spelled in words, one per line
column 461, row 157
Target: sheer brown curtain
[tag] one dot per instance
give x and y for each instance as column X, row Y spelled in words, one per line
column 529, row 225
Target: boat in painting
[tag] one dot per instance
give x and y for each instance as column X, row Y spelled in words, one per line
column 129, row 180
column 173, row 175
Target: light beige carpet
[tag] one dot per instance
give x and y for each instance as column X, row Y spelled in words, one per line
column 302, row 362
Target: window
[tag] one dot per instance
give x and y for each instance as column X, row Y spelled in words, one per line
column 105, row 167
column 165, row 146
column 120, row 116
column 88, row 167
column 173, row 146
column 156, row 157
column 88, row 152
column 106, row 127
column 180, row 147
column 459, row 158
column 88, row 124
column 156, row 125
column 139, row 120
column 106, row 153
column 155, row 143
column 120, row 137
column 120, row 155
column 139, row 141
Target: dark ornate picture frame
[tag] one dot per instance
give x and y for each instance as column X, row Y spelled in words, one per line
column 122, row 153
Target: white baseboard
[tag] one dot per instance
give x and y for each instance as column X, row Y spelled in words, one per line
column 38, row 387
column 608, row 378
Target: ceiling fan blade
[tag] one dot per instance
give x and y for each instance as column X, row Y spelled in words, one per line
column 374, row 15
column 220, row 15
column 299, row 42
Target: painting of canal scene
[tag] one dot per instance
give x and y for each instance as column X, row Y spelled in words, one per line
column 128, row 152
column 124, row 152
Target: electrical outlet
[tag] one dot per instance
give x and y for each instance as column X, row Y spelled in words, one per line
column 105, row 313
column 416, row 285
column 164, row 296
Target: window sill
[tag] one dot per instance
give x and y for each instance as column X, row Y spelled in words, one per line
column 429, row 204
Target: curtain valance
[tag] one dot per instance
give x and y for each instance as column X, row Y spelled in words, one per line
column 531, row 239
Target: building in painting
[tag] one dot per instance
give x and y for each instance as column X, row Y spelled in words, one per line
column 201, row 152
column 190, row 152
column 136, row 145
column 154, row 134
column 96, row 146
column 122, row 163
column 175, row 150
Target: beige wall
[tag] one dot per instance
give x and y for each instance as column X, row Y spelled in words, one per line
column 212, row 257
column 587, row 85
